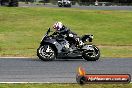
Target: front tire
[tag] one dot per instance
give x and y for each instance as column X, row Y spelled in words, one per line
column 91, row 55
column 46, row 53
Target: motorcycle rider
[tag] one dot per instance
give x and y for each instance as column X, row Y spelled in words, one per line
column 71, row 37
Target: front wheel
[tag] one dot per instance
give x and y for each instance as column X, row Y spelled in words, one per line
column 91, row 54
column 46, row 53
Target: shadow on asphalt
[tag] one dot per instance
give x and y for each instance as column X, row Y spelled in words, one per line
column 64, row 60
column 38, row 60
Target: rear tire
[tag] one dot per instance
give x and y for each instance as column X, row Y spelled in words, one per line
column 91, row 55
column 46, row 53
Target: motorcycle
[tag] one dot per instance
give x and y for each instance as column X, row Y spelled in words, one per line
column 64, row 3
column 57, row 46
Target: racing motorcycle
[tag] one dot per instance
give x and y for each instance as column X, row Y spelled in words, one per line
column 57, row 46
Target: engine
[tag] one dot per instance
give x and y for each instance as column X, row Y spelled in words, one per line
column 65, row 44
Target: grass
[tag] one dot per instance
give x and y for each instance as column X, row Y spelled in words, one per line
column 21, row 29
column 65, row 86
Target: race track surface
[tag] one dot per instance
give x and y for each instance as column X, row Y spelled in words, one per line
column 80, row 7
column 58, row 71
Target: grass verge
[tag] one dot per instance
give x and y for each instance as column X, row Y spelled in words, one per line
column 21, row 29
column 65, row 86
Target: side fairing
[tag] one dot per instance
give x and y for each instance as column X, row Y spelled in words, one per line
column 87, row 47
column 54, row 43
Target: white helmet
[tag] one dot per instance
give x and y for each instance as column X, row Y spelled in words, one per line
column 58, row 26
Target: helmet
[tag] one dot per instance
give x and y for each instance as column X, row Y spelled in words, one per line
column 58, row 26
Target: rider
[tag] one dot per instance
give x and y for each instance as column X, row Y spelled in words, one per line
column 63, row 30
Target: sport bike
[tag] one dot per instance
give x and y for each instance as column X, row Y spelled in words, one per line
column 58, row 46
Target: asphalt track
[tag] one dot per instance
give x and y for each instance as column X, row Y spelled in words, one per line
column 33, row 70
column 80, row 7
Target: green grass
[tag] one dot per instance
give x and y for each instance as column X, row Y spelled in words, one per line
column 65, row 86
column 21, row 29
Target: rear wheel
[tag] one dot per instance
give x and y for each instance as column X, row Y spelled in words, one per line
column 92, row 54
column 46, row 53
